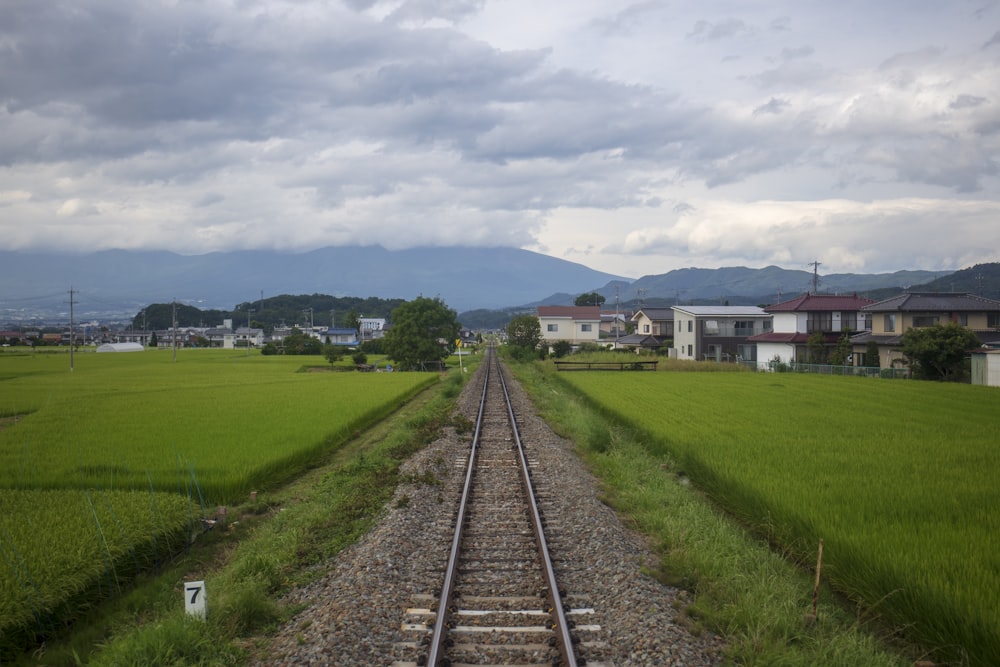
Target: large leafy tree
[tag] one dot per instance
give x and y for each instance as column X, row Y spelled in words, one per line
column 423, row 330
column 589, row 299
column 939, row 352
column 524, row 331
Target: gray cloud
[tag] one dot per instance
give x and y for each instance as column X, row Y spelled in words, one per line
column 301, row 123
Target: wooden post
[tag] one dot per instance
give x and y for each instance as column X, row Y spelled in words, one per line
column 819, row 566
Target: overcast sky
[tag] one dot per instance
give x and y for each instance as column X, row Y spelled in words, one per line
column 632, row 138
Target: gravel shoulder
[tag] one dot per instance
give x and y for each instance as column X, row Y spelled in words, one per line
column 355, row 612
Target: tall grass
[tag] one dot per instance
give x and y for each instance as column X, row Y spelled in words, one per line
column 60, row 549
column 899, row 479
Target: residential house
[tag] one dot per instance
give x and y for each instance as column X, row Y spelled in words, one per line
column 371, row 327
column 654, row 328
column 243, row 337
column 613, row 323
column 892, row 318
column 718, row 333
column 798, row 320
column 133, row 336
column 576, row 324
column 342, row 337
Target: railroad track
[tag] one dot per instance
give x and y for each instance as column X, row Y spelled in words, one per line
column 499, row 602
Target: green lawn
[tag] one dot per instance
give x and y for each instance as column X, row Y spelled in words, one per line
column 899, row 478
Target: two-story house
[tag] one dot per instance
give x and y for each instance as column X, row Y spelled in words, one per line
column 718, row 333
column 576, row 324
column 654, row 328
column 892, row 318
column 798, row 320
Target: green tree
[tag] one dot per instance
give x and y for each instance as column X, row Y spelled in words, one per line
column 561, row 348
column 351, row 320
column 816, row 345
column 939, row 352
column 153, row 342
column 423, row 330
column 299, row 343
column 839, row 354
column 333, row 353
column 589, row 299
column 872, row 355
column 524, row 331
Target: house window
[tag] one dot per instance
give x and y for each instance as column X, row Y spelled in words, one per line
column 890, row 322
column 993, row 320
column 645, row 328
column 819, row 322
column 690, row 349
column 552, row 327
column 586, row 328
column 963, row 319
column 743, row 328
column 690, row 328
column 711, row 327
column 848, row 321
column 924, row 320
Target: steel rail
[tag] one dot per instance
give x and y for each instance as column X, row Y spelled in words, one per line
column 437, row 640
column 563, row 639
column 561, row 626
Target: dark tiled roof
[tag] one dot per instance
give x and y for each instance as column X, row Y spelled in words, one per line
column 821, row 302
column 656, row 313
column 642, row 340
column 934, row 302
column 772, row 337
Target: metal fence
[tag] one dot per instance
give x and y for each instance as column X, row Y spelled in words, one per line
column 826, row 369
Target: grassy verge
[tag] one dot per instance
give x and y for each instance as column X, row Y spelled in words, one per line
column 756, row 599
column 269, row 545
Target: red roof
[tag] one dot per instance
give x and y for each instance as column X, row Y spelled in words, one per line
column 821, row 302
column 572, row 312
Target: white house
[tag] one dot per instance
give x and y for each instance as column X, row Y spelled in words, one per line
column 799, row 319
column 576, row 324
column 242, row 337
column 717, row 333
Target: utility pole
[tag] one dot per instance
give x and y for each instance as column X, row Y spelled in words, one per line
column 617, row 321
column 71, row 333
column 249, row 311
column 174, row 336
column 815, row 280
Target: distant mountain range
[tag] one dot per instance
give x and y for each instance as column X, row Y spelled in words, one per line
column 743, row 286
column 116, row 284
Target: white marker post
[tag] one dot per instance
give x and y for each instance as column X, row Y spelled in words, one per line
column 195, row 599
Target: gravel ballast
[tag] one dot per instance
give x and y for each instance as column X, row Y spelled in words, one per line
column 358, row 612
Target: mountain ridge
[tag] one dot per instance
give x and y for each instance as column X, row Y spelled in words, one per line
column 35, row 285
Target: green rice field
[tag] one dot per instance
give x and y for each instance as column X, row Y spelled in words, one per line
column 219, row 421
column 898, row 478
column 107, row 469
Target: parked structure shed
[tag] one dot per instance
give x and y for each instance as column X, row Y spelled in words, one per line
column 120, row 347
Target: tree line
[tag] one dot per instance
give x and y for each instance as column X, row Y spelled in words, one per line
column 302, row 310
